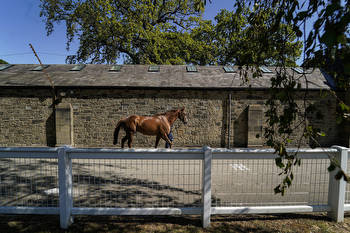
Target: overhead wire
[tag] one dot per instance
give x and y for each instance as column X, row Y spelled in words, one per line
column 27, row 53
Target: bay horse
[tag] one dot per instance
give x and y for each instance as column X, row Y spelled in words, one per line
column 158, row 125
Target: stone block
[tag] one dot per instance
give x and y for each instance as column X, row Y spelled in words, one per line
column 255, row 114
column 64, row 124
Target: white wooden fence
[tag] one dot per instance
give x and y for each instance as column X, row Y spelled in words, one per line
column 330, row 197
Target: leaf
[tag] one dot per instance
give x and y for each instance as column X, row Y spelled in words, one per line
column 295, row 162
column 283, row 190
column 339, row 120
column 346, row 178
column 288, row 181
column 281, row 150
column 331, row 8
column 329, row 38
column 331, row 167
column 277, row 189
column 347, row 68
column 318, row 23
column 322, row 134
column 298, row 32
column 279, row 162
column 344, row 107
column 339, row 175
column 302, row 15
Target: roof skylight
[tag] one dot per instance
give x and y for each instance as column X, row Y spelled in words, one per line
column 264, row 69
column 229, row 69
column 40, row 68
column 191, row 69
column 299, row 70
column 78, row 67
column 153, row 68
column 4, row 66
column 115, row 68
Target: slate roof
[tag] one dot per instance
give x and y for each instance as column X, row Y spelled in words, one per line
column 138, row 76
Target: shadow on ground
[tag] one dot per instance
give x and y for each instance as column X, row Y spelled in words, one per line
column 239, row 223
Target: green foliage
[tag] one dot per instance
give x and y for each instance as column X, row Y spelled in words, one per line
column 250, row 37
column 3, row 62
column 168, row 32
column 246, row 36
column 145, row 31
column 326, row 46
column 334, row 61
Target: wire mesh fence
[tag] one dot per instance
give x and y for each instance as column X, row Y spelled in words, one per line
column 238, row 183
column 136, row 183
column 161, row 183
column 178, row 183
column 112, row 181
column 28, row 182
column 347, row 191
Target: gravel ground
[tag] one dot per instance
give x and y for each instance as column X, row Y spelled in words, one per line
column 240, row 223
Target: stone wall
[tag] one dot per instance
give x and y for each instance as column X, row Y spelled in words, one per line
column 26, row 118
column 95, row 115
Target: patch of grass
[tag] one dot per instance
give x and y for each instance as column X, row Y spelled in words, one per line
column 318, row 223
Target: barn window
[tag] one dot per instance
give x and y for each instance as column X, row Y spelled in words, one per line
column 5, row 66
column 115, row 68
column 229, row 69
column 153, row 68
column 264, row 69
column 299, row 70
column 78, row 67
column 191, row 69
column 40, row 68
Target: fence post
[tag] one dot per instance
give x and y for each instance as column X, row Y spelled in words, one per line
column 206, row 185
column 336, row 189
column 65, row 187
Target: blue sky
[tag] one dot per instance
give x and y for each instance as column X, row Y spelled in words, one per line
column 21, row 25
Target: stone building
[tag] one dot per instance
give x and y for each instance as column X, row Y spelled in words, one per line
column 80, row 104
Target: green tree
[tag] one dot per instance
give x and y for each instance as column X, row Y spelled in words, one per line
column 3, row 62
column 329, row 37
column 145, row 31
column 246, row 36
column 334, row 62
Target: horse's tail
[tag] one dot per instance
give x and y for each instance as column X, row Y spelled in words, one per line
column 121, row 123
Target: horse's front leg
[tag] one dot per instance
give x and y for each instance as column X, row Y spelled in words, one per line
column 157, row 141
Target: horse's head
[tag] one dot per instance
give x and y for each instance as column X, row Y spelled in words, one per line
column 182, row 116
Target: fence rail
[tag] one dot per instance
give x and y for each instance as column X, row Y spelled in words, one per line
column 72, row 181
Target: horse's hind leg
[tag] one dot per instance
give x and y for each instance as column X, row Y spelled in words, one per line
column 157, row 141
column 164, row 136
column 124, row 139
column 130, row 138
